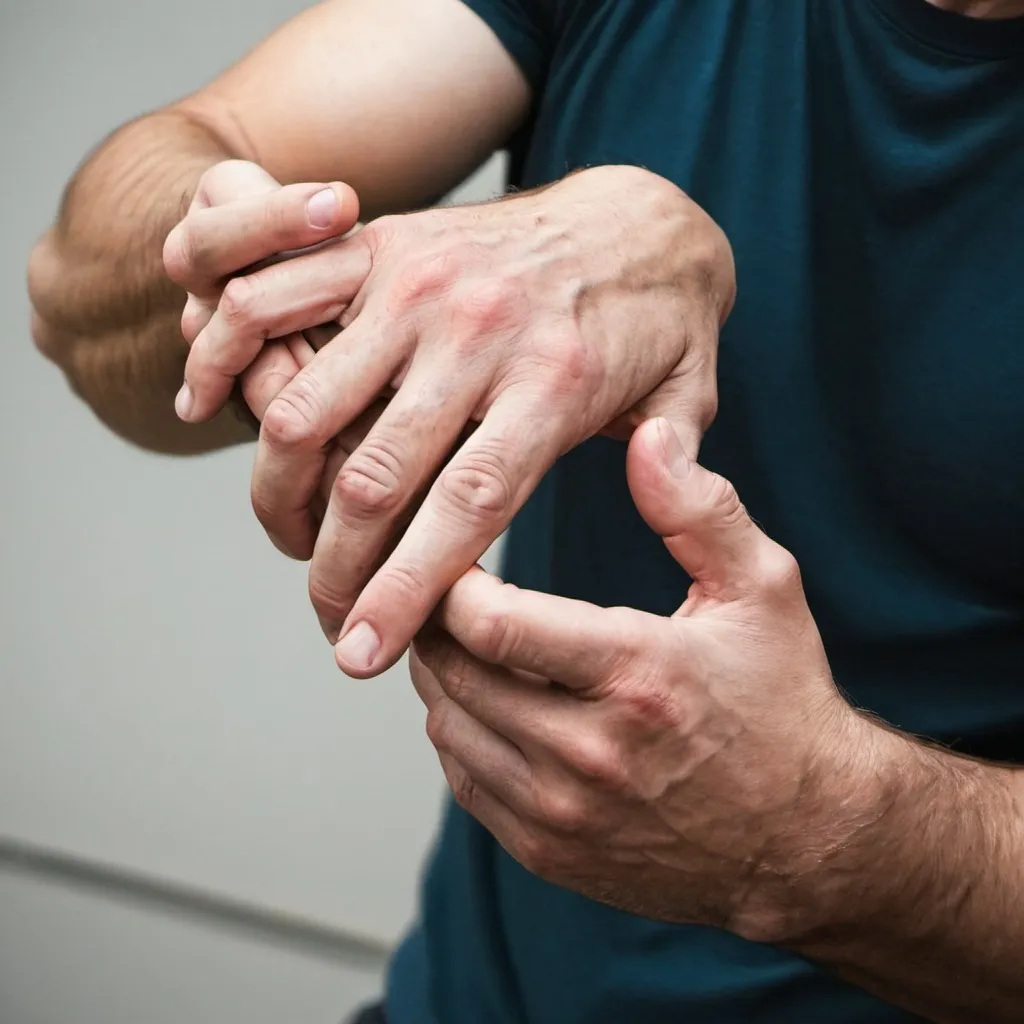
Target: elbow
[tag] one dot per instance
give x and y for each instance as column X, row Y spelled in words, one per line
column 52, row 343
column 51, row 338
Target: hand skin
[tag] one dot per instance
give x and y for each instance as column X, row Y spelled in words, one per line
column 241, row 216
column 401, row 99
column 546, row 318
column 705, row 769
column 275, row 365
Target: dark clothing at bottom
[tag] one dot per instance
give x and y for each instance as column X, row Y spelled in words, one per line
column 370, row 1015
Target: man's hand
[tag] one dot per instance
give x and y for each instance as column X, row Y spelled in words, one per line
column 546, row 318
column 238, row 217
column 276, row 364
column 704, row 769
column 676, row 768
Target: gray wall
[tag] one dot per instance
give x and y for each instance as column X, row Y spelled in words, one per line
column 200, row 819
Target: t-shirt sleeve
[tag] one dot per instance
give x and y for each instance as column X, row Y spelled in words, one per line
column 520, row 26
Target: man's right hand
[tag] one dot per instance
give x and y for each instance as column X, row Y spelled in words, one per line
column 240, row 217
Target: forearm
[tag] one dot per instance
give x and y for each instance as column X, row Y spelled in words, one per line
column 923, row 902
column 106, row 312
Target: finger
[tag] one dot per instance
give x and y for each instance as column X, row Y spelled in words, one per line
column 228, row 181
column 231, row 180
column 272, row 370
column 383, row 479
column 300, row 348
column 489, row 759
column 688, row 397
column 468, row 507
column 275, row 367
column 342, row 447
column 699, row 514
column 473, row 797
column 340, row 382
column 211, row 244
column 536, row 718
column 271, row 303
column 574, row 643
column 195, row 316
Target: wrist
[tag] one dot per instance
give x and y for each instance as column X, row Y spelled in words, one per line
column 703, row 259
column 818, row 875
column 899, row 836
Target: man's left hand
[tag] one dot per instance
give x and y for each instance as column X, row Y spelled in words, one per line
column 692, row 769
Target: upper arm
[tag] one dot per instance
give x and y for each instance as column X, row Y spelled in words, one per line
column 399, row 98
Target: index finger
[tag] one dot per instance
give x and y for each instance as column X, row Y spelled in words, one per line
column 578, row 644
column 468, row 507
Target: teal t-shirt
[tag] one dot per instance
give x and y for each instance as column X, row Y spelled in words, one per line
column 866, row 159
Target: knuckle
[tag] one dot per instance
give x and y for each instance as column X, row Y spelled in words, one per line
column 494, row 635
column 707, row 405
column 779, row 571
column 427, row 279
column 574, row 356
column 722, row 501
column 370, row 482
column 193, row 320
column 292, row 419
column 534, row 852
column 712, row 263
column 454, row 675
column 649, row 707
column 597, row 759
column 563, row 810
column 463, row 789
column 570, row 367
column 262, row 508
column 405, row 585
column 382, row 230
column 223, row 176
column 331, row 603
column 626, row 627
column 477, row 487
column 182, row 252
column 219, row 354
column 286, row 424
column 485, row 308
column 239, row 301
column 438, row 727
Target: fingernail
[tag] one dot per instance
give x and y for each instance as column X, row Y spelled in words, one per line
column 671, row 448
column 184, row 401
column 359, row 646
column 322, row 208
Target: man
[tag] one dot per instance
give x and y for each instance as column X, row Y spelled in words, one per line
column 788, row 858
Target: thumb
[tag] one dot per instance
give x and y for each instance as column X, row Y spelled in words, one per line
column 699, row 514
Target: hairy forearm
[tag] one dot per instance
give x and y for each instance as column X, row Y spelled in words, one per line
column 923, row 903
column 105, row 310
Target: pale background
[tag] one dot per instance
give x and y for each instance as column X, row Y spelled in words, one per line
column 201, row 820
